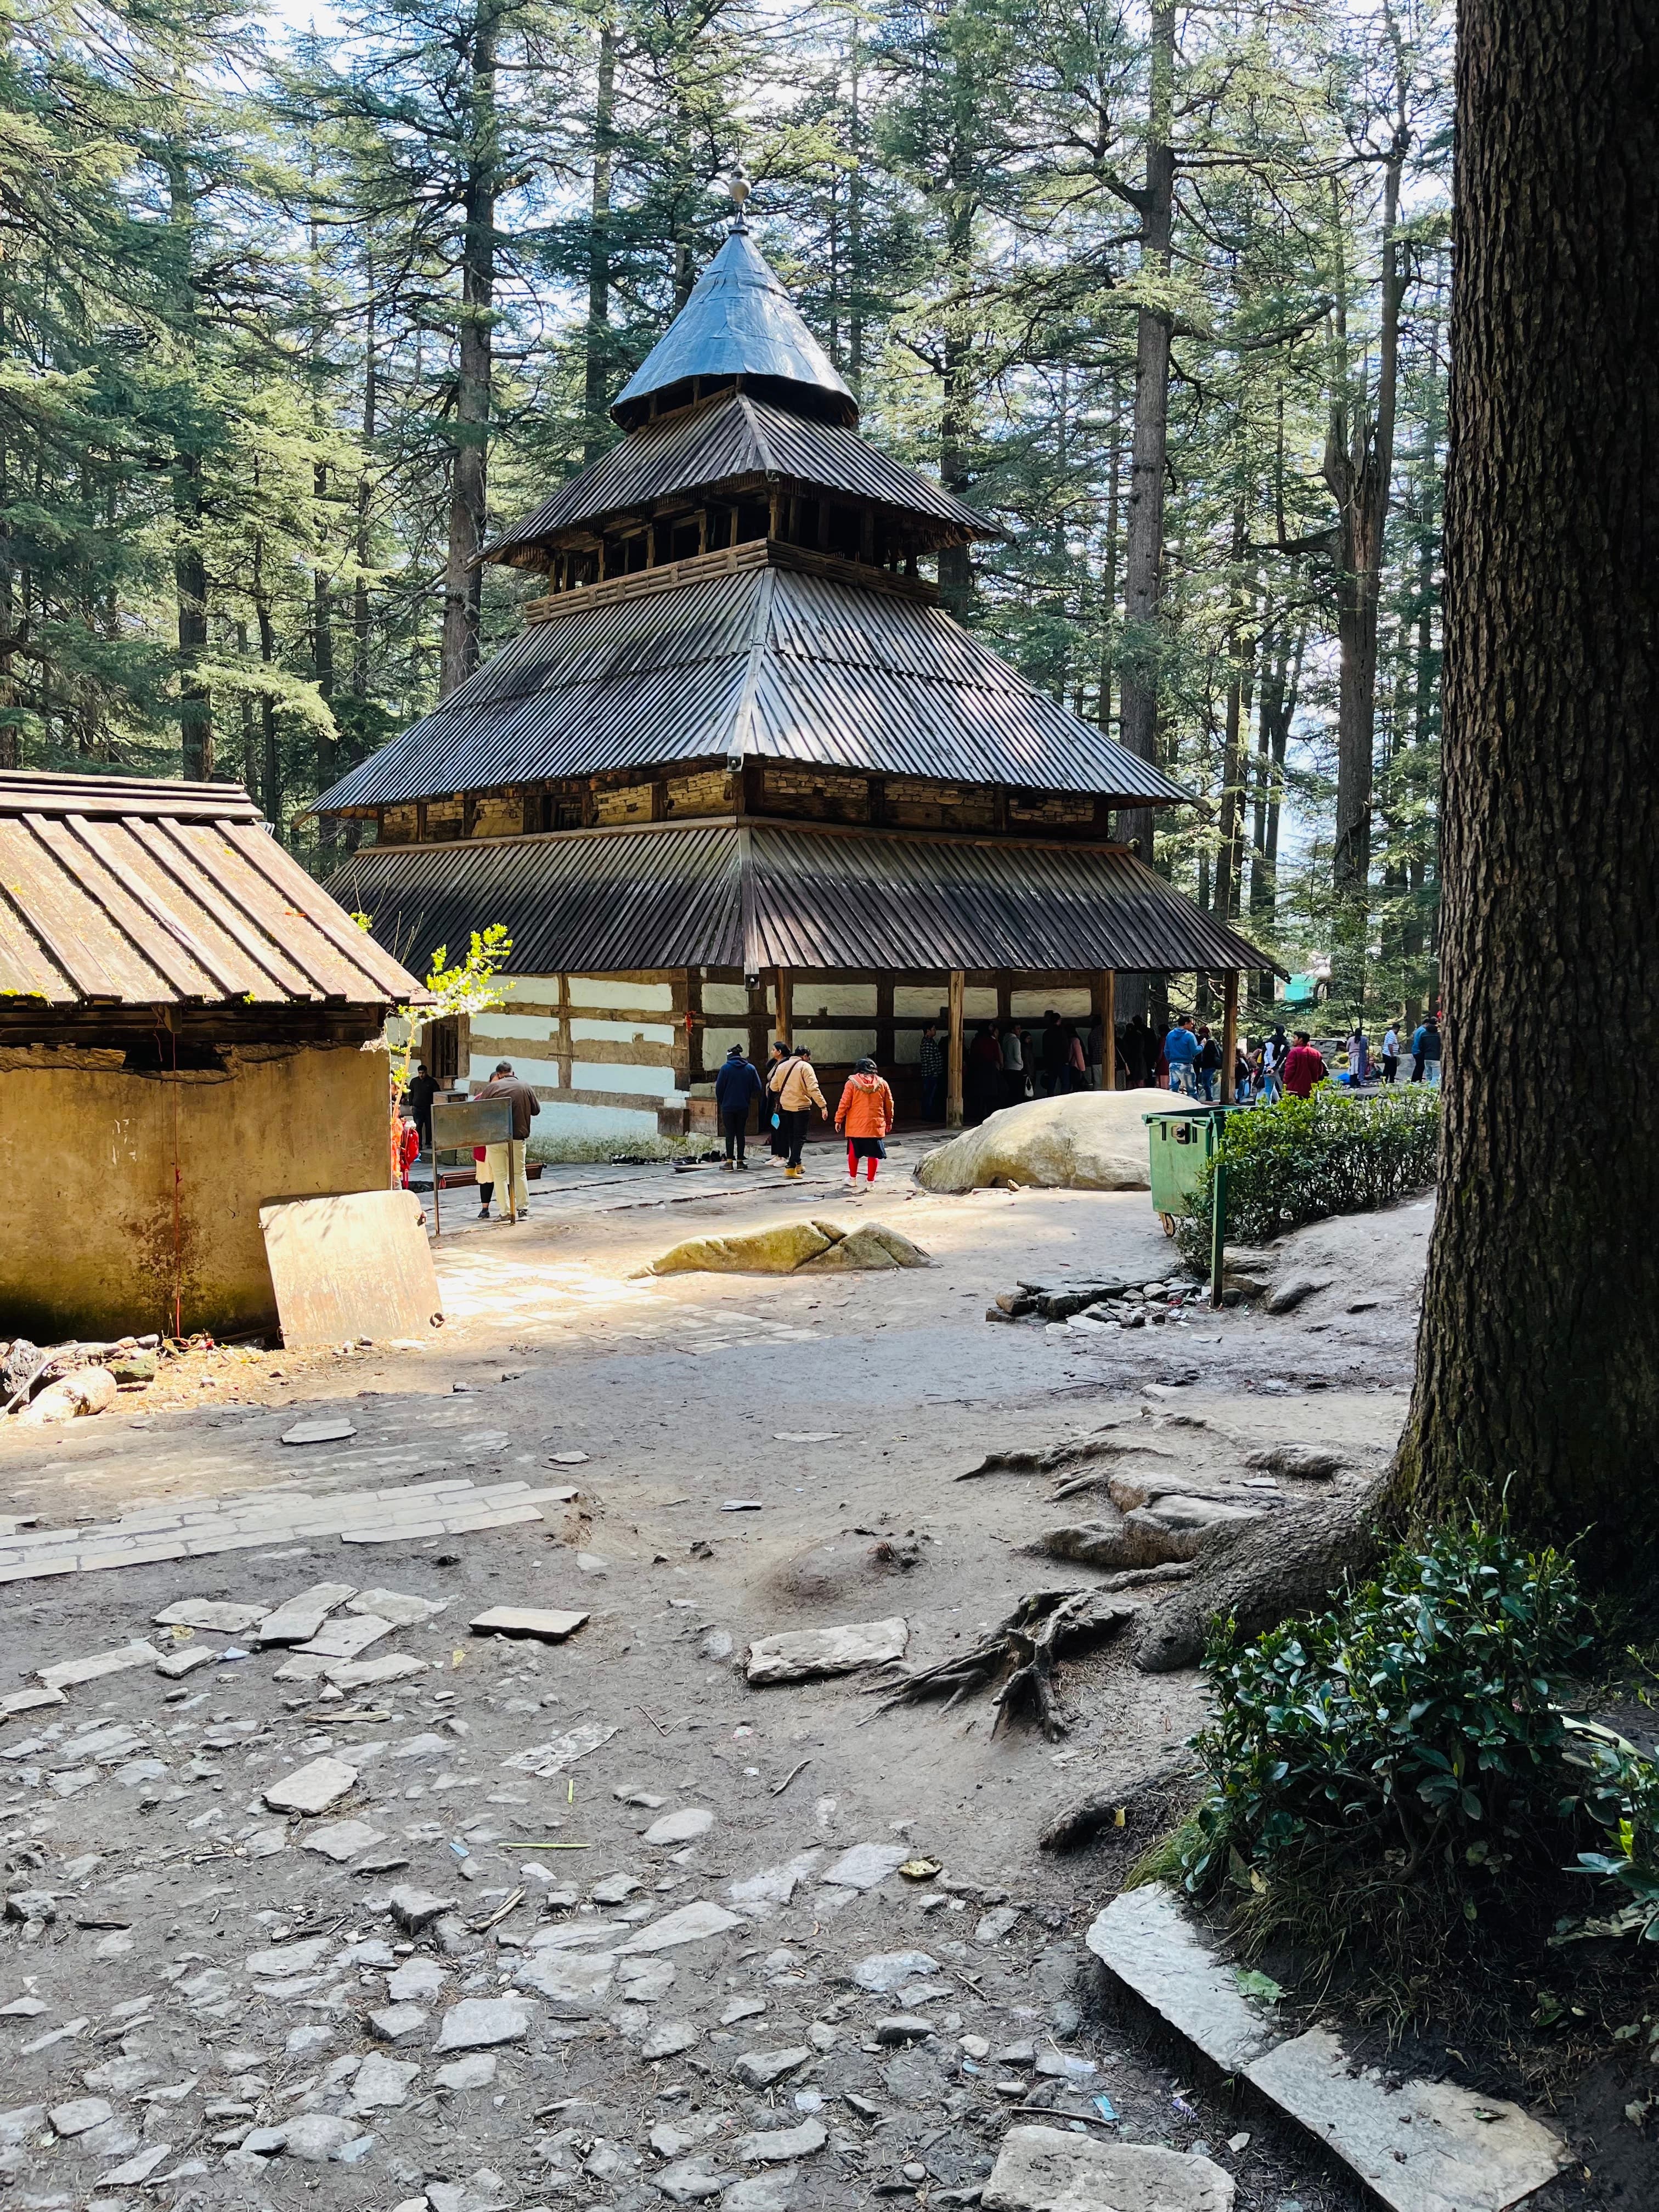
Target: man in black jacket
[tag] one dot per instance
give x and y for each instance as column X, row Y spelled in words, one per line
column 736, row 1089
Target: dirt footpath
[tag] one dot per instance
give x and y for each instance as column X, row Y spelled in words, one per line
column 597, row 1922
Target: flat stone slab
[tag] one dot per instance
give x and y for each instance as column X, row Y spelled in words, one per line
column 397, row 1607
column 380, row 2081
column 68, row 1673
column 342, row 1840
column 211, row 1612
column 681, row 1827
column 78, row 2115
column 312, row 1788
column 690, row 1924
column 549, row 1627
column 546, row 1760
column 884, row 1972
column 1146, row 1939
column 779, row 2146
column 865, row 1865
column 174, row 1665
column 801, row 1653
column 347, row 1638
column 1424, row 2147
column 362, row 1673
column 477, row 2023
column 298, row 1618
column 330, row 1429
column 1051, row 2170
column 759, row 2070
column 574, row 1986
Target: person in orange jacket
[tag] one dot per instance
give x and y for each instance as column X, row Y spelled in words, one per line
column 865, row 1115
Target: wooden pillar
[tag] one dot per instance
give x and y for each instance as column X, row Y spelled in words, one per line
column 1229, row 1034
column 1108, row 1025
column 958, row 999
column 783, row 1008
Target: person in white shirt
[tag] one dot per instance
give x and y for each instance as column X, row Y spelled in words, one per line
column 1390, row 1053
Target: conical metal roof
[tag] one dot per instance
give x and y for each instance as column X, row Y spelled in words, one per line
column 740, row 322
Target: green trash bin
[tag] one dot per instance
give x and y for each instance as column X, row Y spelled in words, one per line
column 1182, row 1144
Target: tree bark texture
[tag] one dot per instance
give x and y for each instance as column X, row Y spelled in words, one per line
column 191, row 587
column 1139, row 671
column 597, row 356
column 469, row 484
column 1538, row 1360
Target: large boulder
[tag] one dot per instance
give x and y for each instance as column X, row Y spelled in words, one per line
column 1086, row 1141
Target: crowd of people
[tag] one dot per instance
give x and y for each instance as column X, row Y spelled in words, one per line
column 1003, row 1064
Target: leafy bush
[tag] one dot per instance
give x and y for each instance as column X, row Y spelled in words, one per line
column 1623, row 1795
column 1416, row 1721
column 1304, row 1158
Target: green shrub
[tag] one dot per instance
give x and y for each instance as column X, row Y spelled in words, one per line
column 1415, row 1722
column 1304, row 1158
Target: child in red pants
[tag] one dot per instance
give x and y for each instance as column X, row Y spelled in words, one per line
column 865, row 1115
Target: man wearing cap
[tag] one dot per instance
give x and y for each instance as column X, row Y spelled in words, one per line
column 736, row 1088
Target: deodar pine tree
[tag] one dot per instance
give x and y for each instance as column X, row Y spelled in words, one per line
column 1538, row 1367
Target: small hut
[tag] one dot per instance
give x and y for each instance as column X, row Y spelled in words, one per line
column 742, row 774
column 184, row 1015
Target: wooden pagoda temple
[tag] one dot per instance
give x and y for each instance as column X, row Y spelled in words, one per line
column 742, row 776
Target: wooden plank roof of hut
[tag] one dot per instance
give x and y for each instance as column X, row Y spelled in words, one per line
column 116, row 892
column 726, row 441
column 722, row 895
column 847, row 678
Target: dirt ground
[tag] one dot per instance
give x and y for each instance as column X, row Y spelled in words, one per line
column 847, row 1408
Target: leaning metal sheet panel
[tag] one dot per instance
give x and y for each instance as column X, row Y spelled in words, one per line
column 351, row 1266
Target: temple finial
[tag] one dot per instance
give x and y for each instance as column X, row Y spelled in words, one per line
column 737, row 184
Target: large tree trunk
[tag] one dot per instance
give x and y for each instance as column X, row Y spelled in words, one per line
column 190, row 588
column 468, row 487
column 596, row 355
column 1358, row 468
column 1538, row 1363
column 1139, row 669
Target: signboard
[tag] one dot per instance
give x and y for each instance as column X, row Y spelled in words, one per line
column 478, row 1121
column 458, row 1126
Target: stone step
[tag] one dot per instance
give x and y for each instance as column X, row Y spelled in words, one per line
column 1419, row 2146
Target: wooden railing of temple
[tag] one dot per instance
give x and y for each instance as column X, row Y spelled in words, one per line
column 729, row 561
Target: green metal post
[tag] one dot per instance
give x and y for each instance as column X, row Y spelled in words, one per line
column 1218, row 1221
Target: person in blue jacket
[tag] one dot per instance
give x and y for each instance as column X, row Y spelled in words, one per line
column 1181, row 1051
column 736, row 1089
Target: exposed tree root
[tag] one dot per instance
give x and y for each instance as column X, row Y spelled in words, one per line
column 1106, row 1808
column 1024, row 1649
column 1113, row 1443
column 1257, row 1573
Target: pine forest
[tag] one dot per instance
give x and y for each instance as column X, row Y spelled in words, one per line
column 296, row 317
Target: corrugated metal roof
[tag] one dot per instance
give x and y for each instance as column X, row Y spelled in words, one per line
column 729, row 896
column 738, row 321
column 115, row 891
column 725, row 440
column 848, row 679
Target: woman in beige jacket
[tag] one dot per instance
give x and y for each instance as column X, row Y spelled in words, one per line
column 794, row 1087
